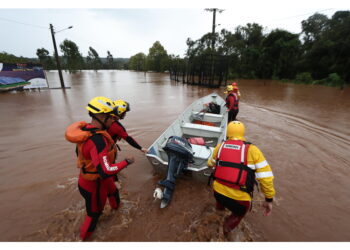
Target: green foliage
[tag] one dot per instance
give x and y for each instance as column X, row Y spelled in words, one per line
column 9, row 58
column 321, row 49
column 157, row 58
column 93, row 60
column 110, row 61
column 334, row 79
column 327, row 50
column 73, row 58
column 304, row 77
column 45, row 59
column 281, row 51
column 138, row 62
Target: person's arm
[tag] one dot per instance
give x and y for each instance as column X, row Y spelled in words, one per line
column 118, row 129
column 212, row 158
column 98, row 151
column 239, row 94
column 264, row 176
column 132, row 142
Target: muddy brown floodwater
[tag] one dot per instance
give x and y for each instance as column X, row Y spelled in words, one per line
column 304, row 132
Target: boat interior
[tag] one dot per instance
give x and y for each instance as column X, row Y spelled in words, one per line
column 209, row 127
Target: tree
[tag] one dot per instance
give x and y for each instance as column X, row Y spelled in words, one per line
column 248, row 44
column 157, row 59
column 281, row 52
column 93, row 60
column 45, row 58
column 327, row 45
column 138, row 62
column 338, row 39
column 72, row 56
column 110, row 61
column 313, row 27
column 9, row 58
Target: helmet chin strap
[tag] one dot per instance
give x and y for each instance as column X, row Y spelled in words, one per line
column 102, row 123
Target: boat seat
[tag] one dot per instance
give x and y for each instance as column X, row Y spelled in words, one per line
column 209, row 117
column 194, row 127
column 201, row 152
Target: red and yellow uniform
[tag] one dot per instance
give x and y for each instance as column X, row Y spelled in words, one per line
column 238, row 165
column 96, row 156
column 232, row 103
column 263, row 172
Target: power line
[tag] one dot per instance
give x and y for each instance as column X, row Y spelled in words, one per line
column 29, row 24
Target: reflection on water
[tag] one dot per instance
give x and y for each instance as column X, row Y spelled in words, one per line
column 303, row 131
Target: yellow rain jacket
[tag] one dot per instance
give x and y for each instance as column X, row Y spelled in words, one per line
column 263, row 174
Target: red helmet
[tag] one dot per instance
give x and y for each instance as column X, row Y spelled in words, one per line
column 235, row 87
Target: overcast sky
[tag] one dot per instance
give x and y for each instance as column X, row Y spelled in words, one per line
column 132, row 26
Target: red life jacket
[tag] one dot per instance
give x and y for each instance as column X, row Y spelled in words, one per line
column 235, row 102
column 231, row 166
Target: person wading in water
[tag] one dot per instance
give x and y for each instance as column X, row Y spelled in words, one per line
column 232, row 102
column 96, row 155
column 236, row 90
column 238, row 165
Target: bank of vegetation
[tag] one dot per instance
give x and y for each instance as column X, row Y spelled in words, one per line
column 320, row 54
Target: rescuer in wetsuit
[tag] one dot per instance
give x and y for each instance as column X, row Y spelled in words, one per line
column 117, row 130
column 96, row 155
column 232, row 102
column 238, row 165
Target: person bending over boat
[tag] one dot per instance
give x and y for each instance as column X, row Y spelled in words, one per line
column 238, row 165
column 96, row 156
column 232, row 102
column 117, row 130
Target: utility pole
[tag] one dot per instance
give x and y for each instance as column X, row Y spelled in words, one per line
column 213, row 31
column 56, row 56
column 56, row 53
column 214, row 10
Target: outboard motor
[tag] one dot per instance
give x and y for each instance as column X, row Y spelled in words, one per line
column 179, row 153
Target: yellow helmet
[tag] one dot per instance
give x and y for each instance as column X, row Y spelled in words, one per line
column 235, row 130
column 100, row 105
column 120, row 108
column 229, row 88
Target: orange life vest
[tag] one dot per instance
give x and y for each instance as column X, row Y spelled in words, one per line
column 77, row 133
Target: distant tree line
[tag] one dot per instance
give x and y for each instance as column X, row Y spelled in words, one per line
column 9, row 58
column 72, row 60
column 319, row 54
